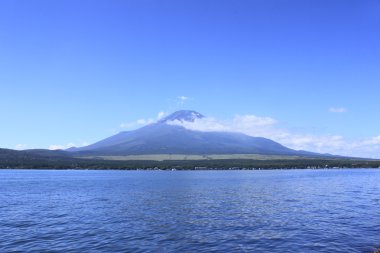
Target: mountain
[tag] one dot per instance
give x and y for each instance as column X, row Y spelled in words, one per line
column 166, row 145
column 165, row 138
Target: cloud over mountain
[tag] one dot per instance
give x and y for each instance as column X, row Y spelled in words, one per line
column 271, row 128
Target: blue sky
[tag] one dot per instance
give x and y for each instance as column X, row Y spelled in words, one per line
column 75, row 71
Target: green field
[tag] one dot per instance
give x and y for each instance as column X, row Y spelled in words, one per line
column 43, row 159
column 179, row 157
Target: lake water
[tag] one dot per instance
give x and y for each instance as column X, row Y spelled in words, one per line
column 190, row 211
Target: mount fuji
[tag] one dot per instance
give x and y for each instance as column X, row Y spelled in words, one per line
column 162, row 137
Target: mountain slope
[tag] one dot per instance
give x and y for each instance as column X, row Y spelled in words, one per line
column 164, row 138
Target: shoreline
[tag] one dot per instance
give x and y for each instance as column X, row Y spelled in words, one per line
column 202, row 169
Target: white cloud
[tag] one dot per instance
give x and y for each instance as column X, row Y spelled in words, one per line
column 56, row 147
column 252, row 120
column 142, row 122
column 182, row 99
column 371, row 141
column 160, row 115
column 316, row 143
column 249, row 124
column 21, row 146
column 68, row 145
column 338, row 109
column 203, row 124
column 268, row 127
column 137, row 123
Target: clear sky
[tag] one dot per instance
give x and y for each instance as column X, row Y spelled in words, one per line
column 78, row 71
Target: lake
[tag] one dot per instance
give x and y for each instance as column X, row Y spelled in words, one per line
column 190, row 211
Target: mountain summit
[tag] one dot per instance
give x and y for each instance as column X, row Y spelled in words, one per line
column 183, row 115
column 164, row 138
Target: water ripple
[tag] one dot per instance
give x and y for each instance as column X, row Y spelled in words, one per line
column 204, row 211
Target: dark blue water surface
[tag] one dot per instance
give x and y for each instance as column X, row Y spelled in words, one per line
column 190, row 211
